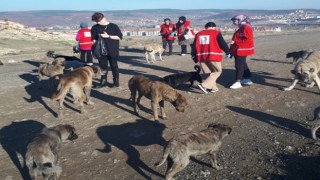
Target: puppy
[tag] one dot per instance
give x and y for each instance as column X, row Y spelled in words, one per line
column 51, row 70
column 307, row 71
column 175, row 80
column 152, row 49
column 157, row 92
column 298, row 55
column 42, row 152
column 79, row 82
column 316, row 126
column 180, row 148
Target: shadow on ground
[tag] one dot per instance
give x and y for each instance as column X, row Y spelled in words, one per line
column 124, row 137
column 14, row 139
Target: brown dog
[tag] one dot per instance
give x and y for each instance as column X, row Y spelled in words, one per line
column 77, row 81
column 180, row 149
column 51, row 70
column 157, row 92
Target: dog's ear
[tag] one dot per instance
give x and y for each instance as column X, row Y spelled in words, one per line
column 311, row 70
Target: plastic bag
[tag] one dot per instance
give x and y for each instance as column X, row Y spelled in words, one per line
column 99, row 48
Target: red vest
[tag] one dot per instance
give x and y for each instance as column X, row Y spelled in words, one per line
column 207, row 47
column 85, row 39
column 243, row 42
column 166, row 31
column 186, row 27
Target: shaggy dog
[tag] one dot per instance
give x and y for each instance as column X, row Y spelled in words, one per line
column 152, row 49
column 307, row 71
column 42, row 152
column 175, row 80
column 298, row 55
column 157, row 92
column 79, row 82
column 180, row 148
column 51, row 70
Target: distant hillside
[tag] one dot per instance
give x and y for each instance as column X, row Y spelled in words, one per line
column 131, row 18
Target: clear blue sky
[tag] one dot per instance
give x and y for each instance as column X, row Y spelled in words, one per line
column 25, row 5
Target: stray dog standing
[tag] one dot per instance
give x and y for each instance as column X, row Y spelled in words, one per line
column 42, row 151
column 175, row 80
column 152, row 49
column 180, row 148
column 298, row 55
column 307, row 71
column 316, row 126
column 51, row 70
column 78, row 81
column 157, row 92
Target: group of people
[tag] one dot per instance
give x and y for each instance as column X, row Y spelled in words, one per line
column 207, row 47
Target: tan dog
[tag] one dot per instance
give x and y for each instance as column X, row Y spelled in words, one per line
column 157, row 92
column 77, row 81
column 51, row 70
column 152, row 49
column 42, row 152
column 180, row 149
column 307, row 71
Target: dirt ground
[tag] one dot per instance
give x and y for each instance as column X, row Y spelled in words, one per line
column 270, row 137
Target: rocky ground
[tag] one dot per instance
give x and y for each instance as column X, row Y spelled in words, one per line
column 270, row 138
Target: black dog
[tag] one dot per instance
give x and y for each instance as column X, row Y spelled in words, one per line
column 51, row 54
column 175, row 80
column 298, row 55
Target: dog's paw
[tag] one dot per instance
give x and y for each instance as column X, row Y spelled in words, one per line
column 90, row 103
column 285, row 89
column 164, row 117
column 218, row 167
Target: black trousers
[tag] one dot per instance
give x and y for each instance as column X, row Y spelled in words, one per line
column 164, row 45
column 184, row 49
column 242, row 69
column 113, row 61
column 86, row 56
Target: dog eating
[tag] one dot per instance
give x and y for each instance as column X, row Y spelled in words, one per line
column 157, row 92
column 175, row 80
column 180, row 148
column 42, row 152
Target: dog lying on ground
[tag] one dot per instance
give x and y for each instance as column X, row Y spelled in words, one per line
column 298, row 55
column 51, row 70
column 157, row 92
column 152, row 49
column 307, row 71
column 79, row 82
column 180, row 148
column 72, row 62
column 175, row 80
column 42, row 152
column 316, row 126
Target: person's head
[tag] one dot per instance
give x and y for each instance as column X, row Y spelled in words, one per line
column 240, row 20
column 98, row 18
column 182, row 19
column 83, row 25
column 210, row 25
column 167, row 21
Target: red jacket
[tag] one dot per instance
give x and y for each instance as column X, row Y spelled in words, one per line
column 166, row 31
column 84, row 38
column 186, row 27
column 207, row 47
column 243, row 41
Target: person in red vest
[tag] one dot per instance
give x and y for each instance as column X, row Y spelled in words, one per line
column 208, row 47
column 85, row 42
column 242, row 45
column 185, row 34
column 167, row 32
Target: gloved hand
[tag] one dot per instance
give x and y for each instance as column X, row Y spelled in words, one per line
column 229, row 56
column 172, row 34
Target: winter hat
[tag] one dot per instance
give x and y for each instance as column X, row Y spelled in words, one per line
column 210, row 24
column 182, row 18
column 242, row 19
column 83, row 25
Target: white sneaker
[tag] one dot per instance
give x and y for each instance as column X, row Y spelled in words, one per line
column 246, row 82
column 183, row 54
column 236, row 85
column 203, row 88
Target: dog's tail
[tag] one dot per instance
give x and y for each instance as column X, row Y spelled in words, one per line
column 197, row 68
column 62, row 90
column 165, row 155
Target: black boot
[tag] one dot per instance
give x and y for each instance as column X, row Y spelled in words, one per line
column 115, row 83
column 103, row 81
